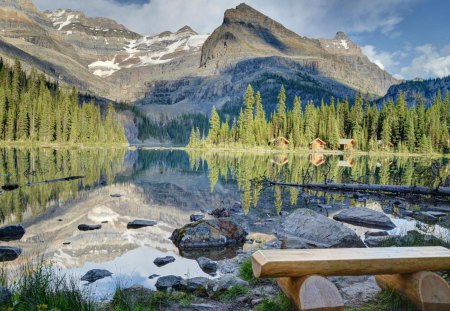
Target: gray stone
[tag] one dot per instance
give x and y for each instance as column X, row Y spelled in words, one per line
column 166, row 282
column 304, row 228
column 375, row 233
column 196, row 217
column 8, row 253
column 95, row 274
column 162, row 261
column 153, row 276
column 377, row 241
column 84, row 227
column 117, row 195
column 140, row 223
column 197, row 285
column 209, row 233
column 11, row 233
column 5, row 295
column 207, row 265
column 225, row 283
column 365, row 217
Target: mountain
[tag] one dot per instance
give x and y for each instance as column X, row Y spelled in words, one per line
column 418, row 90
column 173, row 73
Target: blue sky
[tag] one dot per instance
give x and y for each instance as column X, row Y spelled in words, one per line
column 408, row 38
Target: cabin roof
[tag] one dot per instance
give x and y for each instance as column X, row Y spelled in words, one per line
column 318, row 140
column 346, row 141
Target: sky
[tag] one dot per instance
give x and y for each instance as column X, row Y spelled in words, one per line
column 407, row 38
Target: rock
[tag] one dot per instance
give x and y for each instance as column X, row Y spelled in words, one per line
column 304, row 228
column 224, row 283
column 104, row 222
column 140, row 223
column 95, row 274
column 5, row 296
column 117, row 195
column 66, row 243
column 153, row 276
column 166, row 282
column 11, row 233
column 375, row 233
column 429, row 216
column 84, row 227
column 209, row 233
column 365, row 217
column 207, row 265
column 196, row 217
column 137, row 294
column 162, row 261
column 377, row 241
column 220, row 212
column 8, row 253
column 10, row 187
column 197, row 285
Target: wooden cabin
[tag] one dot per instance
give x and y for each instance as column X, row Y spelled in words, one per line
column 349, row 162
column 347, row 143
column 280, row 142
column 317, row 159
column 317, row 144
column 280, row 159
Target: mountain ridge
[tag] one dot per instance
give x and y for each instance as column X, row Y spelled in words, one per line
column 181, row 72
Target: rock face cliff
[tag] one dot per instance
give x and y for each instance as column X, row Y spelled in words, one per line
column 183, row 71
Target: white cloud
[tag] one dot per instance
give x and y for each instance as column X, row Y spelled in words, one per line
column 429, row 62
column 384, row 60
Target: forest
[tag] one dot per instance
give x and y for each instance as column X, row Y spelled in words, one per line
column 33, row 109
column 391, row 126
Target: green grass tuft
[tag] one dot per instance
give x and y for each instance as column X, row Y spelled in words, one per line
column 279, row 303
column 233, row 292
column 387, row 300
column 246, row 271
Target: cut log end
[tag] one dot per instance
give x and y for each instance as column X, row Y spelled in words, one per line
column 312, row 293
column 427, row 290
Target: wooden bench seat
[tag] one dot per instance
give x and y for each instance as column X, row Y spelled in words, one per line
column 405, row 269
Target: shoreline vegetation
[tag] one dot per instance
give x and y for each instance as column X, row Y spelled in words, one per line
column 337, row 125
column 36, row 111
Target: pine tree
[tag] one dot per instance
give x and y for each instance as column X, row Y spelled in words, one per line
column 214, row 129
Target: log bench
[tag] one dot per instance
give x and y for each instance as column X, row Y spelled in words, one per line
column 301, row 273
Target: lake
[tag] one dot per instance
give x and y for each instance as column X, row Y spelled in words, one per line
column 168, row 186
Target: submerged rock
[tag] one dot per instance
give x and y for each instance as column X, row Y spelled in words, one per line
column 375, row 233
column 95, row 275
column 11, row 233
column 377, row 241
column 10, row 187
column 84, row 227
column 170, row 281
column 8, row 253
column 153, row 276
column 365, row 217
column 117, row 195
column 207, row 265
column 140, row 223
column 162, row 261
column 304, row 228
column 5, row 295
column 209, row 233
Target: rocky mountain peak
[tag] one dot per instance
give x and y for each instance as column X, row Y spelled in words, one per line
column 26, row 5
column 186, row 28
column 341, row 36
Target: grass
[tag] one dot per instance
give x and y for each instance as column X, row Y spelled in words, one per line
column 279, row 303
column 386, row 301
column 142, row 300
column 246, row 271
column 41, row 287
column 233, row 292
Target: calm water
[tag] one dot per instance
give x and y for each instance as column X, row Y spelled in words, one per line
column 169, row 186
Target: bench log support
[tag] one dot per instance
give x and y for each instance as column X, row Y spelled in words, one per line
column 427, row 290
column 312, row 293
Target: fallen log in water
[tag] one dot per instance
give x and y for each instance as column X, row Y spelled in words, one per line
column 441, row 191
column 53, row 180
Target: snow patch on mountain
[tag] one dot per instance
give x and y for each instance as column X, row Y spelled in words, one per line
column 104, row 68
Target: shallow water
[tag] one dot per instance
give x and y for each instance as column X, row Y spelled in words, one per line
column 169, row 186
